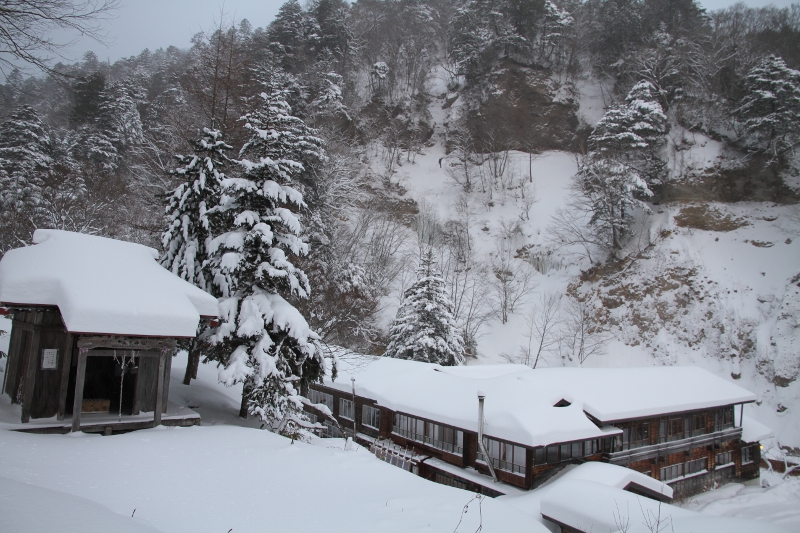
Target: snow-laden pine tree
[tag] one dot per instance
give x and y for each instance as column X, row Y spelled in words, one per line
column 424, row 329
column 770, row 110
column 187, row 236
column 611, row 188
column 26, row 159
column 633, row 132
column 262, row 340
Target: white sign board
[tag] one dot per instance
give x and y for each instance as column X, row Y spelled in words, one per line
column 49, row 359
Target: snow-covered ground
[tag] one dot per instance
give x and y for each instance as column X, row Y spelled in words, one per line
column 227, row 476
column 221, row 477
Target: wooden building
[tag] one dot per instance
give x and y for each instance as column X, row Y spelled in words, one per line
column 543, row 420
column 95, row 324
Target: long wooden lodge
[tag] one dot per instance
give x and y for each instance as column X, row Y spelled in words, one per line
column 680, row 425
column 95, row 323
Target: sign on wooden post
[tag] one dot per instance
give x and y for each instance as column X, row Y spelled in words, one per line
column 50, row 359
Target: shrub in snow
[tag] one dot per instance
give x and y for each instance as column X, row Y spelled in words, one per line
column 424, row 329
column 769, row 113
column 263, row 341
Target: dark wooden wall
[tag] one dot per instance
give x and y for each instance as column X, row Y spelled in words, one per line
column 32, row 332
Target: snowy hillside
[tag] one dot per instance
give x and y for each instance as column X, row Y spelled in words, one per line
column 707, row 284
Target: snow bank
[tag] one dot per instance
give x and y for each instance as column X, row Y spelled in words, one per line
column 520, row 402
column 33, row 509
column 223, row 478
column 591, row 506
column 102, row 286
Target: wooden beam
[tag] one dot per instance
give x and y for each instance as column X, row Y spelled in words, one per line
column 77, row 405
column 162, row 363
column 66, row 363
column 127, row 353
column 126, row 343
column 30, row 377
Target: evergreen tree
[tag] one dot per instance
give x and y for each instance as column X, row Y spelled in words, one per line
column 770, row 109
column 26, row 159
column 424, row 329
column 263, row 341
column 187, row 236
column 633, row 132
column 611, row 188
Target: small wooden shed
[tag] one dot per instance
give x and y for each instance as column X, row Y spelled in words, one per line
column 95, row 324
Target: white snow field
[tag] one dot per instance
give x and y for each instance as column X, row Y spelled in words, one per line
column 220, row 478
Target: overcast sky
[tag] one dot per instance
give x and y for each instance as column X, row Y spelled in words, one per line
column 153, row 24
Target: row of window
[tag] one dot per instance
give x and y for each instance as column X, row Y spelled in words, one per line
column 504, row 456
column 684, row 469
column 435, row 435
column 674, row 428
column 573, row 450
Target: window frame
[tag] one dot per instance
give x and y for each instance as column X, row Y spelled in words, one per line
column 499, row 453
column 343, row 402
column 370, row 413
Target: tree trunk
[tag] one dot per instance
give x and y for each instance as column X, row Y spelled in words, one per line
column 243, row 408
column 192, row 363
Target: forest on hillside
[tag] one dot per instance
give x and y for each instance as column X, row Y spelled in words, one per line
column 163, row 149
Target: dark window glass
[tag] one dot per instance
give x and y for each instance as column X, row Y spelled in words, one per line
column 552, row 454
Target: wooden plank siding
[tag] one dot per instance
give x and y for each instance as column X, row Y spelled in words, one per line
column 45, row 393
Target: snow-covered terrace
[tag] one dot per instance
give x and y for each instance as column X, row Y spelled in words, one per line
column 102, row 286
column 520, row 401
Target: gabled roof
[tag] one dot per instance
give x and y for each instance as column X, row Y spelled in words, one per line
column 520, row 403
column 102, row 286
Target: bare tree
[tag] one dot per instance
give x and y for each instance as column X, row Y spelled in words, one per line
column 26, row 28
column 542, row 328
column 581, row 337
column 511, row 278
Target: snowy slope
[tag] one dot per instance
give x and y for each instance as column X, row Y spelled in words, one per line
column 724, row 298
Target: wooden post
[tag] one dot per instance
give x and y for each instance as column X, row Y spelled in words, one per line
column 162, row 363
column 30, row 376
column 77, row 405
column 66, row 363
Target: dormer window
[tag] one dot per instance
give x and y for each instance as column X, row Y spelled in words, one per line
column 562, row 403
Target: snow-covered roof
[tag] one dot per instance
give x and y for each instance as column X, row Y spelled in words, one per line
column 754, row 431
column 102, row 286
column 586, row 505
column 520, row 402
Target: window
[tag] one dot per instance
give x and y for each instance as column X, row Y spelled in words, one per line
column 671, row 472
column 444, row 438
column 540, row 456
column 371, row 417
column 698, row 465
column 636, row 436
column 747, row 455
column 409, row 427
column 434, row 435
column 724, row 459
column 316, row 396
column 446, row 479
column 698, row 424
column 552, row 454
column 504, row 456
column 346, row 409
column 723, row 418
